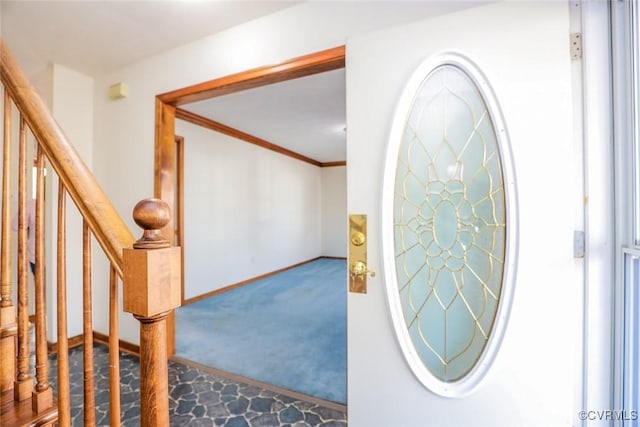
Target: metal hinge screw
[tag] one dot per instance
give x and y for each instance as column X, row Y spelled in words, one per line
column 575, row 45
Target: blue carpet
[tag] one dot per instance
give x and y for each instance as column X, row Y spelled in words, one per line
column 289, row 330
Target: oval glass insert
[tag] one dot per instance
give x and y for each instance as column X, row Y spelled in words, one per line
column 447, row 200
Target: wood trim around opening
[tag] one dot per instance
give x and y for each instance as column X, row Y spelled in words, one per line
column 179, row 208
column 319, row 62
column 327, row 60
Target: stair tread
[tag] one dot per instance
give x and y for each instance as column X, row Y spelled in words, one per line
column 19, row 414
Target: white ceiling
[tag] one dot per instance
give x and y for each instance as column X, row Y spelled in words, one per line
column 98, row 36
column 306, row 115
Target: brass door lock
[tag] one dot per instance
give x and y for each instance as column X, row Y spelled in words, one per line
column 358, row 270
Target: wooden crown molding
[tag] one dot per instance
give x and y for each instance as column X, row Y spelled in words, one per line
column 333, row 164
column 243, row 136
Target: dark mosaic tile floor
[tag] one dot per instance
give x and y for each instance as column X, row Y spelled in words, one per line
column 197, row 398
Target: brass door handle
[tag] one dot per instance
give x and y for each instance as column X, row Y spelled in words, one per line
column 359, row 270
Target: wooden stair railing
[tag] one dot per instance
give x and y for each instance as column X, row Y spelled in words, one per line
column 149, row 269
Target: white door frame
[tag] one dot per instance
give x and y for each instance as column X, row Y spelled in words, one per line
column 599, row 267
column 625, row 26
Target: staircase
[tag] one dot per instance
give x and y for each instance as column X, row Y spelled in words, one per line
column 148, row 269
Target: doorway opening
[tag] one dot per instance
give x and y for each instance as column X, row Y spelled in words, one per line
column 170, row 157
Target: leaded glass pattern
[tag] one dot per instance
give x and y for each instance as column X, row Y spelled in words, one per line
column 449, row 218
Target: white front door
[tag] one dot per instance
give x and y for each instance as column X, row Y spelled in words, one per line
column 522, row 48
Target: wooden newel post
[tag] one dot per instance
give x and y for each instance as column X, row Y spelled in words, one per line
column 152, row 274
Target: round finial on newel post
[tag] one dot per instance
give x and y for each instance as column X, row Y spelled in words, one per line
column 151, row 215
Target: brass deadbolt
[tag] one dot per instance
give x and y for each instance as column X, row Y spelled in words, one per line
column 357, row 238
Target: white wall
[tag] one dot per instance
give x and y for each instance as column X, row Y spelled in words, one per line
column 13, row 182
column 334, row 211
column 70, row 100
column 251, row 211
column 248, row 210
column 124, row 129
column 72, row 107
